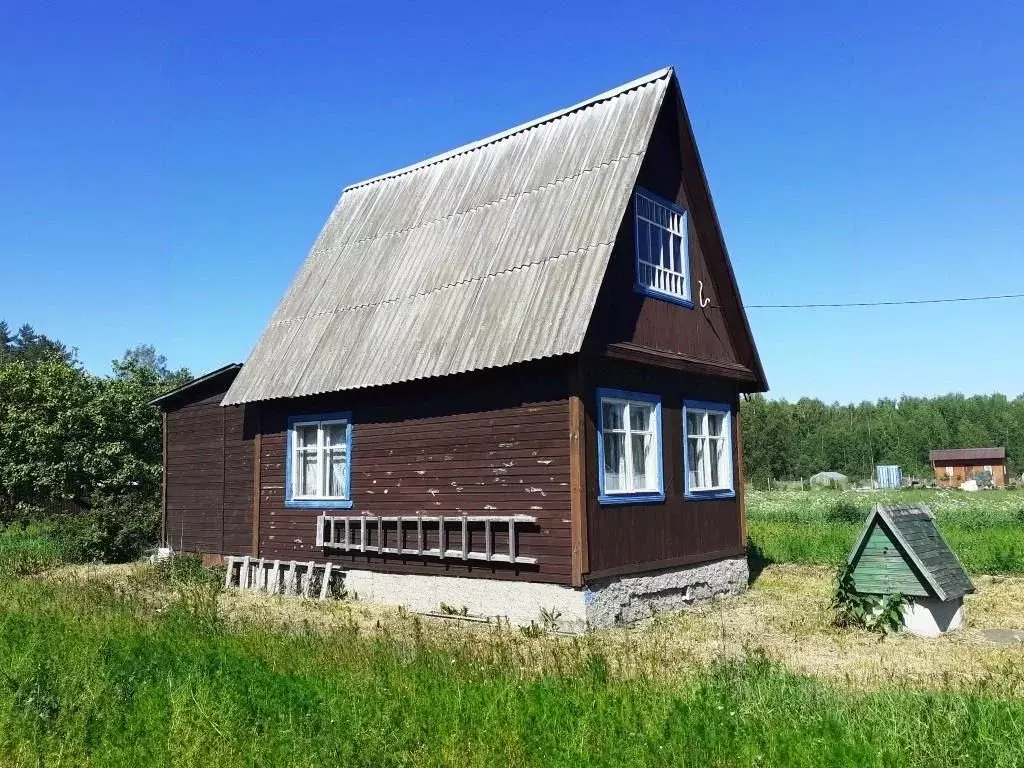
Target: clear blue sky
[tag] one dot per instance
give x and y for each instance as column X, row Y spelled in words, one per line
column 165, row 167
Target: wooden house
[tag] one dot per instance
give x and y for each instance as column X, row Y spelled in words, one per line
column 958, row 465
column 900, row 550
column 506, row 378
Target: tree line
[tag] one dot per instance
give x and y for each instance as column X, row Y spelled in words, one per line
column 783, row 440
column 94, row 442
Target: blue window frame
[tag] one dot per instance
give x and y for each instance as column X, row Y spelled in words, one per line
column 707, row 450
column 629, row 455
column 318, row 465
column 662, row 249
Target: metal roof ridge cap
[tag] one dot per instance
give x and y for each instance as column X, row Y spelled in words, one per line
column 494, row 138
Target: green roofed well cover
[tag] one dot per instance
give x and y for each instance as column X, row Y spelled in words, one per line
column 900, row 549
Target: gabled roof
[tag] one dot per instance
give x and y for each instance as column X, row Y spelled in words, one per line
column 968, row 454
column 227, row 373
column 486, row 256
column 913, row 528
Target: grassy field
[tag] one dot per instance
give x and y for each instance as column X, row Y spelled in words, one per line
column 127, row 672
column 985, row 529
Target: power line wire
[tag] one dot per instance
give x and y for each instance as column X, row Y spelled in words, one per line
column 886, row 303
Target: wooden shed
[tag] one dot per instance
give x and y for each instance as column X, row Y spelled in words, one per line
column 505, row 378
column 900, row 550
column 954, row 466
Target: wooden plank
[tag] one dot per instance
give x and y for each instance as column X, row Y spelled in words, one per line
column 741, row 495
column 488, row 540
column 163, row 482
column 577, row 494
column 362, row 534
column 465, row 537
column 228, row 573
column 325, row 581
column 289, row 579
column 275, row 578
column 307, row 585
column 243, row 576
column 257, row 491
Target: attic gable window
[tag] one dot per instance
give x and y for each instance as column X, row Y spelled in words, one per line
column 662, row 250
column 707, row 450
column 318, row 471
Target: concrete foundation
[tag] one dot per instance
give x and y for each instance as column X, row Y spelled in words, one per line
column 930, row 617
column 627, row 599
column 604, row 603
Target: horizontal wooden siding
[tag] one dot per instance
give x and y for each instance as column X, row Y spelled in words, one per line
column 489, row 443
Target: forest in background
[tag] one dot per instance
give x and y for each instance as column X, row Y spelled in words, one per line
column 789, row 441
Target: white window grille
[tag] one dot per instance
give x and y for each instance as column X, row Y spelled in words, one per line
column 708, row 449
column 630, row 446
column 662, row 257
column 319, row 453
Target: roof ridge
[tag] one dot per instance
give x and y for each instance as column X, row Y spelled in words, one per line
column 494, row 138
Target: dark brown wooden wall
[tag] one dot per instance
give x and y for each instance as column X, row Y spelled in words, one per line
column 626, row 538
column 491, row 442
column 209, row 479
column 625, row 316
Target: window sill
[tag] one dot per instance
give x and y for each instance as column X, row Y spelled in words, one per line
column 661, row 295
column 651, row 497
column 318, row 503
column 718, row 493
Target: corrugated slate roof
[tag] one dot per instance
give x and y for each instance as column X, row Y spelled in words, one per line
column 968, row 454
column 488, row 255
column 913, row 526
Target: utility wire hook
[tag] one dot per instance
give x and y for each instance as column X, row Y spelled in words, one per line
column 703, row 302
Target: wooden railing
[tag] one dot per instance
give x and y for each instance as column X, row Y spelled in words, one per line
column 337, row 533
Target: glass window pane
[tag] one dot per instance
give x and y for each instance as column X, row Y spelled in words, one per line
column 666, row 254
column 642, row 242
column 334, row 434
column 693, row 457
column 641, row 417
column 643, row 463
column 305, row 435
column 677, row 253
column 614, row 462
column 338, row 469
column 612, row 414
column 308, row 479
column 655, row 245
column 716, row 421
column 694, row 422
column 718, row 469
column 699, row 453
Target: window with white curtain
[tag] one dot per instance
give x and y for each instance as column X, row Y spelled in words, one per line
column 629, row 444
column 662, row 255
column 707, row 449
column 319, row 451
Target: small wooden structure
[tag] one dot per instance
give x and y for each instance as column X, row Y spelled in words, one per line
column 900, row 550
column 958, row 465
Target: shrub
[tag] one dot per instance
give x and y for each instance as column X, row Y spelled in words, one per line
column 115, row 530
column 843, row 511
column 852, row 609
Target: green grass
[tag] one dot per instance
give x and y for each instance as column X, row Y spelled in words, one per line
column 91, row 676
column 986, row 529
column 27, row 549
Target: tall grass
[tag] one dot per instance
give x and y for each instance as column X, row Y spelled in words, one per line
column 27, row 548
column 986, row 530
column 92, row 676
